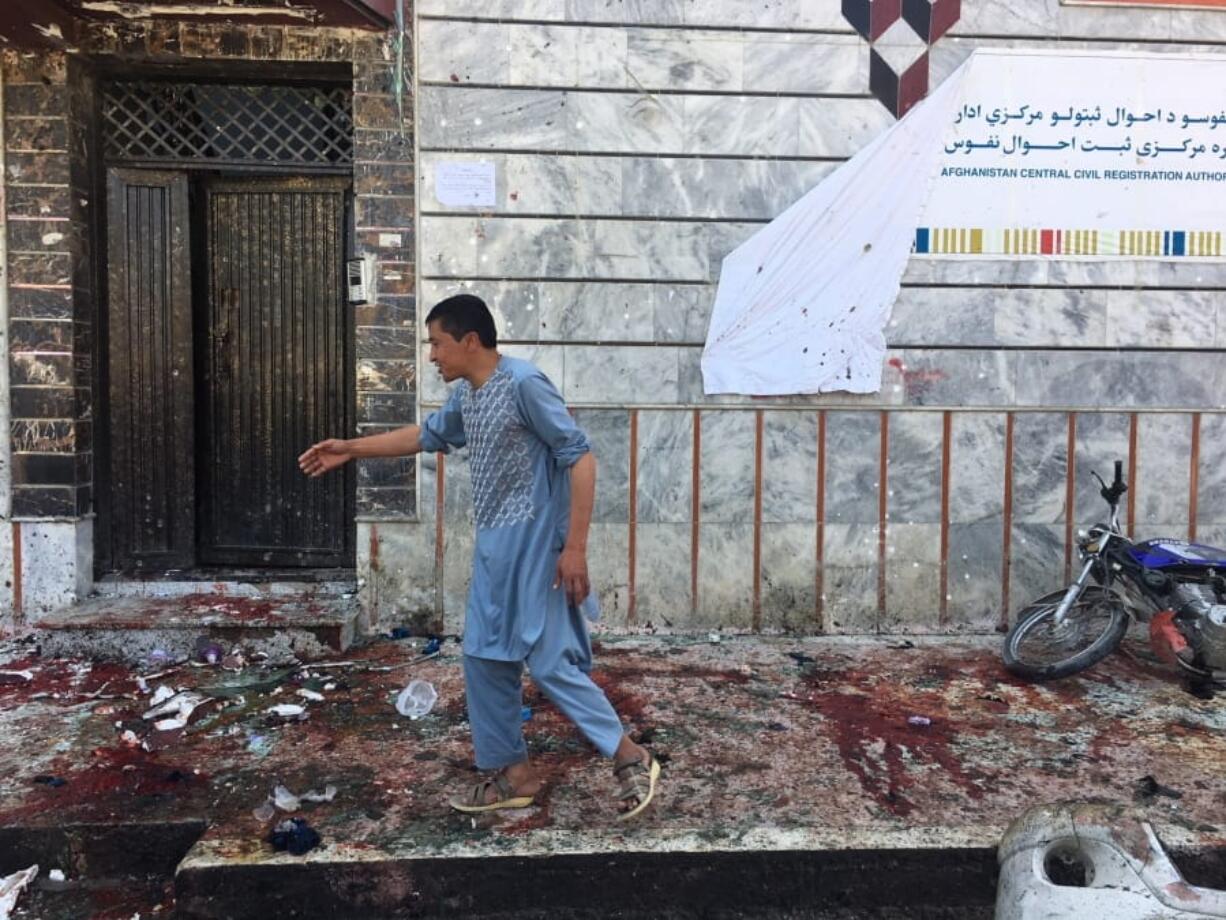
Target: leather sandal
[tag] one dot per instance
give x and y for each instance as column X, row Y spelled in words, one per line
column 474, row 802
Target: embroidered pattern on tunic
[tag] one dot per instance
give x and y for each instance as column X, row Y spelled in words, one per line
column 500, row 453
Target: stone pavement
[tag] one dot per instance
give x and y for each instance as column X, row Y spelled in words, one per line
column 836, row 777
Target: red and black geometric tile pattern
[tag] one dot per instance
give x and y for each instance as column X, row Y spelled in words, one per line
column 900, row 34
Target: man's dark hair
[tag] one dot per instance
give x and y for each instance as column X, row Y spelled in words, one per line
column 462, row 314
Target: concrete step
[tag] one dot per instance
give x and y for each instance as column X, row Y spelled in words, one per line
column 550, row 874
column 138, row 630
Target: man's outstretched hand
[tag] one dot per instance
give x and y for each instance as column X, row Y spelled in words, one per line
column 324, row 457
column 572, row 575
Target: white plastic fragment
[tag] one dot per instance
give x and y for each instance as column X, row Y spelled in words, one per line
column 310, row 694
column 56, row 875
column 24, row 675
column 327, row 795
column 417, row 699
column 161, row 695
column 179, row 707
column 285, row 800
column 288, row 711
column 264, row 812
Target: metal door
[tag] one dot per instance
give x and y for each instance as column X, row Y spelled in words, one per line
column 276, row 368
column 150, row 509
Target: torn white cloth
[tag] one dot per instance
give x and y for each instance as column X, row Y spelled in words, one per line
column 802, row 303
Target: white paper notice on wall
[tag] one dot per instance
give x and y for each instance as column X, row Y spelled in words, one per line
column 465, row 183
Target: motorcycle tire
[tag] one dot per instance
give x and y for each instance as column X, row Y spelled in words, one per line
column 1097, row 644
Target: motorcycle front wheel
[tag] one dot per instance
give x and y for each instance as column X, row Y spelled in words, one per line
column 1037, row 648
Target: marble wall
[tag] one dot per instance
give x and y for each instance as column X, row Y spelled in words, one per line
column 635, row 144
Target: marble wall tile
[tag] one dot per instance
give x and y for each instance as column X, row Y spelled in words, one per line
column 514, row 304
column 1051, row 318
column 727, row 467
column 685, row 60
column 536, row 183
column 608, row 430
column 1161, row 319
column 1102, row 438
column 1140, row 379
column 567, row 56
column 1211, row 479
column 912, row 578
column 620, row 374
column 778, row 14
column 853, row 467
column 976, row 467
column 464, row 247
column 595, row 312
column 941, row 377
column 1037, row 564
column 839, row 127
column 976, row 553
column 465, row 52
column 665, row 466
column 709, row 187
column 608, row 563
column 646, row 12
column 926, row 270
column 849, row 579
column 662, row 575
column 789, row 573
column 789, row 477
column 495, row 9
column 1160, row 492
column 1040, row 467
column 725, row 575
column 818, row 64
column 742, row 125
column 1122, row 272
column 550, row 120
column 682, row 312
column 549, row 359
column 913, row 481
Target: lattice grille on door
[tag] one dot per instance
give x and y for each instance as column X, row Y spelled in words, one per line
column 308, row 127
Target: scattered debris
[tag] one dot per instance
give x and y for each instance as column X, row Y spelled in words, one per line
column 161, row 695
column 901, row 646
column 265, row 812
column 209, row 651
column 56, row 875
column 294, row 836
column 11, row 887
column 327, row 795
column 714, row 638
column 919, row 721
column 310, row 695
column 182, row 705
column 46, row 779
column 417, row 699
column 285, row 800
column 400, row 632
column 14, row 676
column 1149, row 788
column 289, row 711
column 525, row 714
column 801, row 658
column 433, row 647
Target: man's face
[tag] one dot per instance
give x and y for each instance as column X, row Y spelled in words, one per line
column 452, row 357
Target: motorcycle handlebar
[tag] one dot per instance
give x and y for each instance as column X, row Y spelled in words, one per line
column 1119, row 474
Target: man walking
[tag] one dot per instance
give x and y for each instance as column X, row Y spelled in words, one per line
column 534, row 484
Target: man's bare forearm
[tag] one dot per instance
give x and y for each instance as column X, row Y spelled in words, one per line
column 399, row 443
column 582, row 498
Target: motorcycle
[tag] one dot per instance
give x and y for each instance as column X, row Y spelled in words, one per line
column 1178, row 588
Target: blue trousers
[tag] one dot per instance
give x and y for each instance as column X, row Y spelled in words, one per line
column 560, row 664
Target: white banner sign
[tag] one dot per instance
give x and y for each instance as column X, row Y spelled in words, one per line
column 1067, row 155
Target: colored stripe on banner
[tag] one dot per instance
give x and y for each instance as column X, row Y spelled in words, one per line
column 1049, row 241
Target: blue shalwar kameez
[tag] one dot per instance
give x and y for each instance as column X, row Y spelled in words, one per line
column 522, row 443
